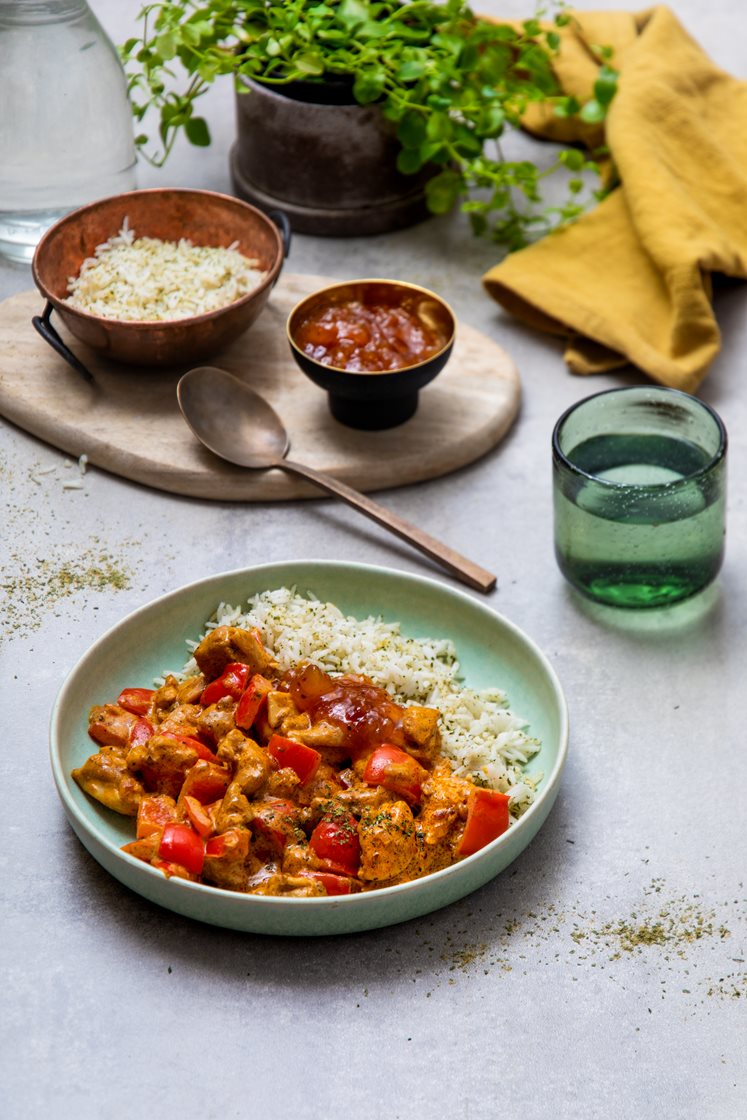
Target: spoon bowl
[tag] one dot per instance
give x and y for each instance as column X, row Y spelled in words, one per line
column 238, row 425
column 255, row 438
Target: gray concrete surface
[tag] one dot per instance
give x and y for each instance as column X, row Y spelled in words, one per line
column 602, row 976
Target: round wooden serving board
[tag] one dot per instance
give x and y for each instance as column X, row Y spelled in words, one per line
column 129, row 422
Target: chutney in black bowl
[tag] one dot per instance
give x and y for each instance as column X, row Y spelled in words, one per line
column 372, row 345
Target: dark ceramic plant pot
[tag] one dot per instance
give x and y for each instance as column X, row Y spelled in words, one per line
column 331, row 167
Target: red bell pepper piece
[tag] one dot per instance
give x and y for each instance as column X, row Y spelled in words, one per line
column 252, row 701
column 232, row 844
column 397, row 771
column 140, row 732
column 110, row 725
column 231, row 682
column 203, row 751
column 335, row 840
column 287, row 752
column 155, row 811
column 332, row 883
column 177, row 870
column 206, row 782
column 181, row 844
column 198, row 816
column 145, row 848
column 136, row 700
column 487, row 818
column 276, row 821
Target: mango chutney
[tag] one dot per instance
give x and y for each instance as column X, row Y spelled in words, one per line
column 370, row 334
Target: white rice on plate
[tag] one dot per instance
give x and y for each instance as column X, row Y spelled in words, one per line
column 485, row 741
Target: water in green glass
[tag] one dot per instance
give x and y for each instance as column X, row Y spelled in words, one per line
column 647, row 530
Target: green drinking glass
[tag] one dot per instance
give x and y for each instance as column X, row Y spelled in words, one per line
column 639, row 489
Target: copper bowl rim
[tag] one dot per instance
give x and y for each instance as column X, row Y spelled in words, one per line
column 140, row 325
column 372, row 372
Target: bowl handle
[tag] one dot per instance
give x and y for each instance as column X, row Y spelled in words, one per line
column 50, row 335
column 282, row 221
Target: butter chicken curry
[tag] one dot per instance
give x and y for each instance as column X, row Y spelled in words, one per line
column 290, row 783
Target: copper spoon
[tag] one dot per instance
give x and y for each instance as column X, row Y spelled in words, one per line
column 238, row 425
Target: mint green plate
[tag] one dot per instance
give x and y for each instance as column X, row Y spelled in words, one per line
column 491, row 650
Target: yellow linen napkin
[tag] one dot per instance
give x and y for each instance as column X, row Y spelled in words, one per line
column 631, row 280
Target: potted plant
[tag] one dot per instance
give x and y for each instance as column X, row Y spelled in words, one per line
column 419, row 93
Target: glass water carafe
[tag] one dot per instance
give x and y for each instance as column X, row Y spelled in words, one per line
column 66, row 132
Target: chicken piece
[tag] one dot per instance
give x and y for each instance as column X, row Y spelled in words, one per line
column 182, row 719
column 283, row 783
column 278, row 883
column 165, row 698
column 190, row 691
column 110, row 725
column 235, row 864
column 326, row 737
column 275, row 823
column 420, row 726
column 444, row 803
column 324, row 785
column 284, row 717
column 388, row 843
column 226, row 644
column 162, row 763
column 234, row 811
column 107, row 778
column 217, row 720
column 360, row 798
column 251, row 766
column 300, row 857
column 280, row 706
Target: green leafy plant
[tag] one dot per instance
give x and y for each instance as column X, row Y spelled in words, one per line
column 451, row 83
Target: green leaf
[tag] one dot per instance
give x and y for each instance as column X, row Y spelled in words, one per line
column 504, row 33
column 592, row 112
column 439, row 127
column 369, row 85
column 479, row 224
column 573, row 159
column 442, row 192
column 491, row 122
column 409, row 161
column 352, row 12
column 198, row 132
column 411, row 131
column 310, row 63
column 566, row 107
column 605, row 87
column 434, row 153
column 166, row 45
column 438, row 103
column 410, row 71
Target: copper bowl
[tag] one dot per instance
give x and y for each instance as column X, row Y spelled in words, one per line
column 374, row 399
column 204, row 218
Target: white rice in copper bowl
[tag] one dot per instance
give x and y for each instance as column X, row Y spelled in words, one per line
column 482, row 737
column 144, row 279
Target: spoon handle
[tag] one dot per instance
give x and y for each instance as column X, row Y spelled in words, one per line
column 471, row 574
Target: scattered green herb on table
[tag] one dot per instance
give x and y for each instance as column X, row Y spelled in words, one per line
column 452, row 84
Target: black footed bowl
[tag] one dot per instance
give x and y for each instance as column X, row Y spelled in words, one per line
column 372, row 398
